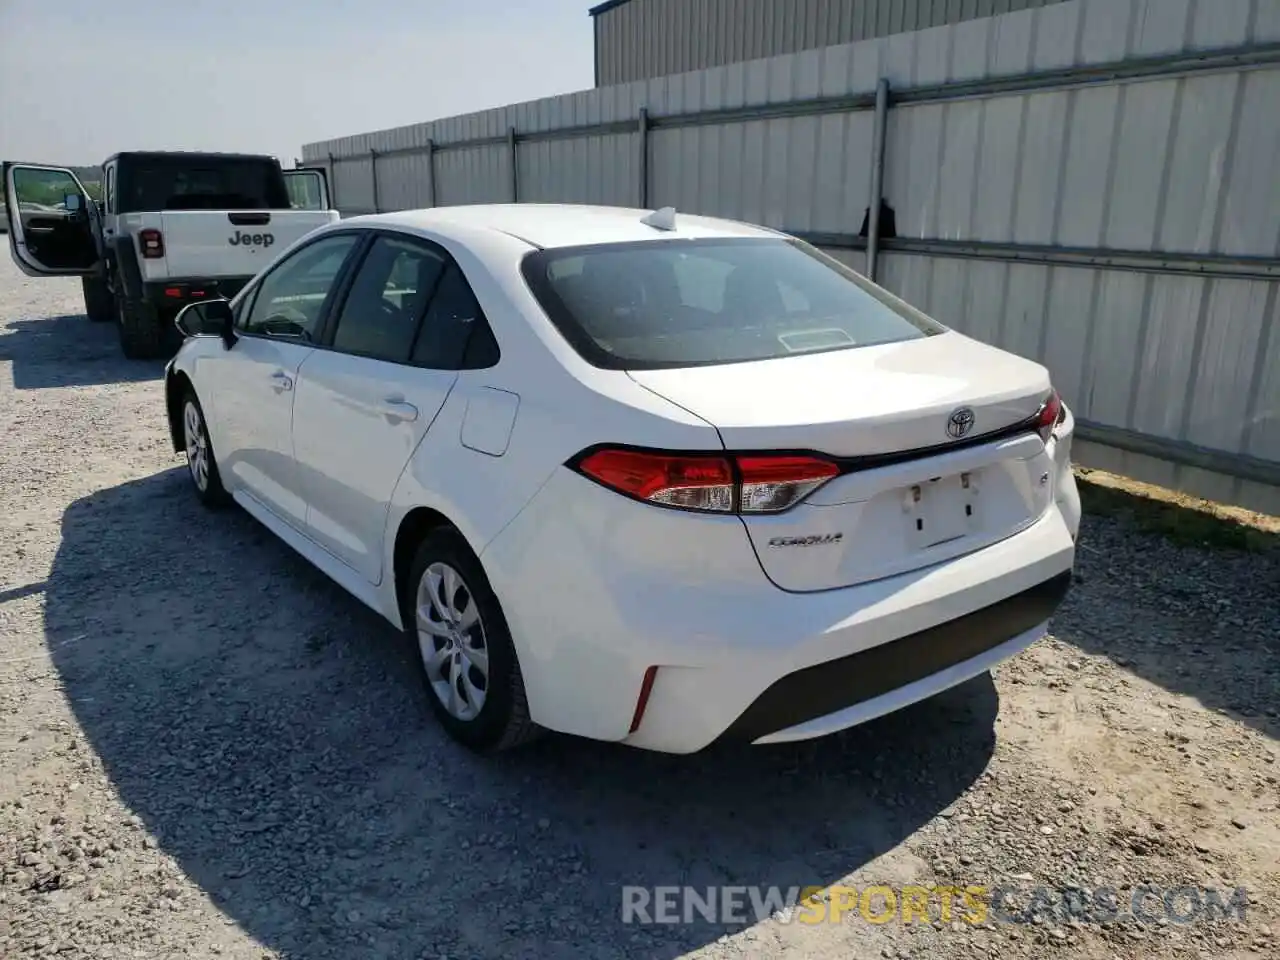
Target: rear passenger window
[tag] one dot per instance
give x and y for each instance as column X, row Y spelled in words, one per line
column 387, row 300
column 452, row 319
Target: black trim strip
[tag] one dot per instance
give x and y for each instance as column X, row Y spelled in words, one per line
column 875, row 460
column 827, row 688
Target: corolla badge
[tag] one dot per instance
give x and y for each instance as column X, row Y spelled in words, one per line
column 813, row 540
column 960, row 422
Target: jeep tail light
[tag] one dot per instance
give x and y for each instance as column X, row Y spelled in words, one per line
column 152, row 244
column 1051, row 414
column 708, row 483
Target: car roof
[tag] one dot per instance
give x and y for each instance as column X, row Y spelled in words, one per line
column 548, row 225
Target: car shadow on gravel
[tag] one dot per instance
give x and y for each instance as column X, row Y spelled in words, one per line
column 272, row 734
column 69, row 351
column 1199, row 621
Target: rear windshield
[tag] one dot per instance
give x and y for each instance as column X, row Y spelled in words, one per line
column 679, row 303
column 211, row 183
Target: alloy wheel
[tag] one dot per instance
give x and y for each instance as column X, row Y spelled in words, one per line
column 452, row 642
column 197, row 443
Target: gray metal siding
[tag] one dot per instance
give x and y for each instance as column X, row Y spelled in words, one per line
column 1180, row 161
column 641, row 39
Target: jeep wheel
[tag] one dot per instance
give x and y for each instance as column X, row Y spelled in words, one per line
column 141, row 330
column 99, row 304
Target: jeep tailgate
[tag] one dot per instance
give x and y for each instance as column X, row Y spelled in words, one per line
column 217, row 243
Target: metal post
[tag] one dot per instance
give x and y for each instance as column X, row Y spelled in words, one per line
column 431, row 172
column 373, row 176
column 333, row 183
column 877, row 177
column 643, row 129
column 515, row 165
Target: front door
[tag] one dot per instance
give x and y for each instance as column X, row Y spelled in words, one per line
column 53, row 222
column 366, row 402
column 255, row 382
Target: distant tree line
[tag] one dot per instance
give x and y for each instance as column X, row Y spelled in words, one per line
column 91, row 177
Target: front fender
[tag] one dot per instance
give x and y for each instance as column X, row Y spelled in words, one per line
column 172, row 413
column 180, row 370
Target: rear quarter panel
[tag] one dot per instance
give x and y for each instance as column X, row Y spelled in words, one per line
column 562, row 405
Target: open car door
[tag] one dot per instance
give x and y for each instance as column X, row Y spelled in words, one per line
column 308, row 189
column 53, row 222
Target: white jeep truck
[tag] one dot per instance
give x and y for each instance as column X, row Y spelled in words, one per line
column 171, row 228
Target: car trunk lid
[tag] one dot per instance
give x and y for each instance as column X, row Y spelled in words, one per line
column 931, row 436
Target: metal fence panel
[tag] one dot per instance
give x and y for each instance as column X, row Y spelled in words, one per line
column 1220, row 391
column 1121, row 226
column 647, row 38
column 1250, row 209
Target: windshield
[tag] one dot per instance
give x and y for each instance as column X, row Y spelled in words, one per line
column 202, row 183
column 676, row 303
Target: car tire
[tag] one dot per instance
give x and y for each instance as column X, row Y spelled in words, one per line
column 202, row 465
column 446, row 632
column 141, row 330
column 99, row 304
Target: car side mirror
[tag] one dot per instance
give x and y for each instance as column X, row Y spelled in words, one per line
column 73, row 202
column 207, row 318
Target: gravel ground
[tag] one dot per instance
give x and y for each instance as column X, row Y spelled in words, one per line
column 206, row 749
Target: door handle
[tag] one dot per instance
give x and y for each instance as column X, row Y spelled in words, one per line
column 281, row 381
column 396, row 409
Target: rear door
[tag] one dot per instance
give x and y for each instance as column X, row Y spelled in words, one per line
column 53, row 222
column 366, row 401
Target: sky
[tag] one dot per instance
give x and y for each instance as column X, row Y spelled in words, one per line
column 82, row 79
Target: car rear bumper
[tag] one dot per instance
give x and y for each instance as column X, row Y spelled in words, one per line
column 853, row 689
column 597, row 590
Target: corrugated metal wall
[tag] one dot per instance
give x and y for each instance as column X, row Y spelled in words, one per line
column 1126, row 232
column 640, row 39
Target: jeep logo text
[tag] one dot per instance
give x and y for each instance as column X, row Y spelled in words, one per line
column 242, row 239
column 817, row 540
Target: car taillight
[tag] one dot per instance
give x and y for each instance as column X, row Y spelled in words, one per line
column 709, row 483
column 152, row 244
column 1050, row 416
column 770, row 484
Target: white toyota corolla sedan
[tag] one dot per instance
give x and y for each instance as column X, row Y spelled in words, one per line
column 632, row 475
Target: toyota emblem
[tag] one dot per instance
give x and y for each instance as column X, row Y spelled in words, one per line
column 960, row 422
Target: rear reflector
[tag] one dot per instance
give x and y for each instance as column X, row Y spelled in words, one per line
column 708, row 483
column 646, row 688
